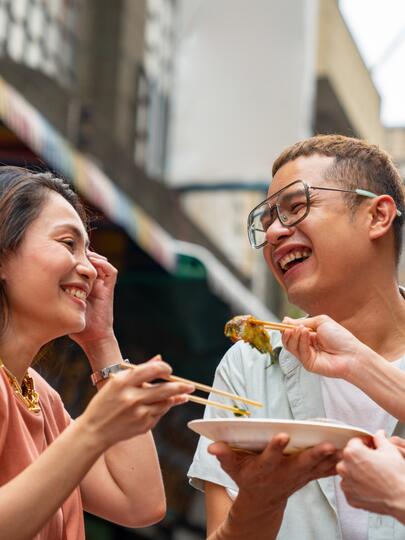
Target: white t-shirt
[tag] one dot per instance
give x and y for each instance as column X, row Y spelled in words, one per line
column 347, row 403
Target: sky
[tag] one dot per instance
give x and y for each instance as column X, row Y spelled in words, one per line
column 378, row 27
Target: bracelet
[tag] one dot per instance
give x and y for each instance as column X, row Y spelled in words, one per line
column 105, row 372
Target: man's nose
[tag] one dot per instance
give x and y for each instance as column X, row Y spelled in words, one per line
column 277, row 231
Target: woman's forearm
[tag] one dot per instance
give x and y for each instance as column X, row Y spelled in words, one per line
column 381, row 381
column 29, row 500
column 130, row 465
column 134, row 466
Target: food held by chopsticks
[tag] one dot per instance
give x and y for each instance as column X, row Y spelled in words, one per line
column 253, row 331
column 245, row 328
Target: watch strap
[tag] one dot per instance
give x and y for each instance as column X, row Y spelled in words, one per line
column 105, row 372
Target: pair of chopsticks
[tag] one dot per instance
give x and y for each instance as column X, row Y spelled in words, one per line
column 274, row 325
column 205, row 388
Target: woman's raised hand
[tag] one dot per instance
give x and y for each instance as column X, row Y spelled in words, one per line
column 323, row 346
column 99, row 311
column 128, row 405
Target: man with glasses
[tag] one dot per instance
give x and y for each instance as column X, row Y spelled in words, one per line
column 331, row 233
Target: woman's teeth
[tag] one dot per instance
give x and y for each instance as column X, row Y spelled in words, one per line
column 79, row 293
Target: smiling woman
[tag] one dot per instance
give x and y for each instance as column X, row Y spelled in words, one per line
column 52, row 284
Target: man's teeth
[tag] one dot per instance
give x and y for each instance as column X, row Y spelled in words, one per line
column 79, row 293
column 292, row 256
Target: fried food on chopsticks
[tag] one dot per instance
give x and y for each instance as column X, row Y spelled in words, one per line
column 249, row 329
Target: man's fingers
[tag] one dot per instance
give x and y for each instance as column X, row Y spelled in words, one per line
column 274, row 451
column 219, row 449
column 228, row 459
column 321, row 455
column 325, row 467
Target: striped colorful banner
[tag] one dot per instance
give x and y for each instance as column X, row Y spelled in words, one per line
column 89, row 180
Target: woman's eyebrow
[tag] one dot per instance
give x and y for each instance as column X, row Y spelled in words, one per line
column 76, row 231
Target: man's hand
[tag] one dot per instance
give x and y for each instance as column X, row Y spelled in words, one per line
column 271, row 477
column 374, row 479
column 324, row 346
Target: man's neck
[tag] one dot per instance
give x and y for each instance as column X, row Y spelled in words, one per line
column 376, row 317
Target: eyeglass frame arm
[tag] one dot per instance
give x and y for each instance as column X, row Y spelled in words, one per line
column 357, row 191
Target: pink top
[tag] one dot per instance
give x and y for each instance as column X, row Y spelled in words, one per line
column 24, row 435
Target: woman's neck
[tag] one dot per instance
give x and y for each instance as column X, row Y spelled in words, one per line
column 17, row 352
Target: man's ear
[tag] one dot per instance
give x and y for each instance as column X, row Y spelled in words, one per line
column 383, row 211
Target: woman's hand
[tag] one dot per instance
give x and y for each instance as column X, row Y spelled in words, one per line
column 99, row 312
column 323, row 346
column 127, row 405
column 399, row 443
column 374, row 479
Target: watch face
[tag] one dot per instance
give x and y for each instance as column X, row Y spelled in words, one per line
column 104, row 373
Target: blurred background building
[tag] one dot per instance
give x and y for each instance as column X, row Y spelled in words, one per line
column 166, row 115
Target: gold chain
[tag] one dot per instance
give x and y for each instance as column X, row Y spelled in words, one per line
column 26, row 392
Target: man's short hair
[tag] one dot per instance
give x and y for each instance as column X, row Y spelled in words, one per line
column 357, row 164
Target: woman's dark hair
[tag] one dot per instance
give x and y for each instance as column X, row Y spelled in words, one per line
column 22, row 197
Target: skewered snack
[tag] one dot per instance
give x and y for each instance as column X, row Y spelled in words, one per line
column 251, row 330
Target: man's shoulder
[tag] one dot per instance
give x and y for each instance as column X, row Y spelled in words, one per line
column 243, row 357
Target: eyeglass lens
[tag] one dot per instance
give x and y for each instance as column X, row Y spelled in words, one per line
column 290, row 205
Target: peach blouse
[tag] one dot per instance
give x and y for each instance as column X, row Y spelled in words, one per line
column 24, row 435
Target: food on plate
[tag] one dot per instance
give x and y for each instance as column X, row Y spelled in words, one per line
column 240, row 412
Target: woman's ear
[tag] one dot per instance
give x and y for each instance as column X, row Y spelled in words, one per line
column 383, row 211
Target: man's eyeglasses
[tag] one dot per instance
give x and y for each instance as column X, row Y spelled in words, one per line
column 290, row 205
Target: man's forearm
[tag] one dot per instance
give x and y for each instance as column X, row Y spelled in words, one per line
column 249, row 518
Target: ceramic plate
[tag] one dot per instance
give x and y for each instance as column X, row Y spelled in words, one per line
column 253, row 434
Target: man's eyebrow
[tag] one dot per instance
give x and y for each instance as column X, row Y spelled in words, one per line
column 292, row 194
column 76, row 231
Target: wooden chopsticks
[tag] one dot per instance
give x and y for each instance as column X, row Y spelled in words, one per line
column 205, row 388
column 203, row 401
column 274, row 325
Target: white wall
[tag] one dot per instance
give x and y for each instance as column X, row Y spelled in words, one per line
column 242, row 90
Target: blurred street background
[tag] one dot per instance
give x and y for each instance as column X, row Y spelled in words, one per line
column 166, row 115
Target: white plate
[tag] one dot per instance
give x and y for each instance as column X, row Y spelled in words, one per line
column 253, row 434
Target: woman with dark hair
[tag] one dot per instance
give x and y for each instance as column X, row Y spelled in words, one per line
column 51, row 467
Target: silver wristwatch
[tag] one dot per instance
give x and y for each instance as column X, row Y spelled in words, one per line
column 105, row 372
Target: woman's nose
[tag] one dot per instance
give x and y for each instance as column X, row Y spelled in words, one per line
column 86, row 269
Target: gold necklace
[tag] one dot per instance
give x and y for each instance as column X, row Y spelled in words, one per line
column 26, row 392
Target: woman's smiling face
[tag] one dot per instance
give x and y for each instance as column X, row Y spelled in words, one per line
column 49, row 277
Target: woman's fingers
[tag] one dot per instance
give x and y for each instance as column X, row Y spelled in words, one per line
column 163, row 391
column 105, row 270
